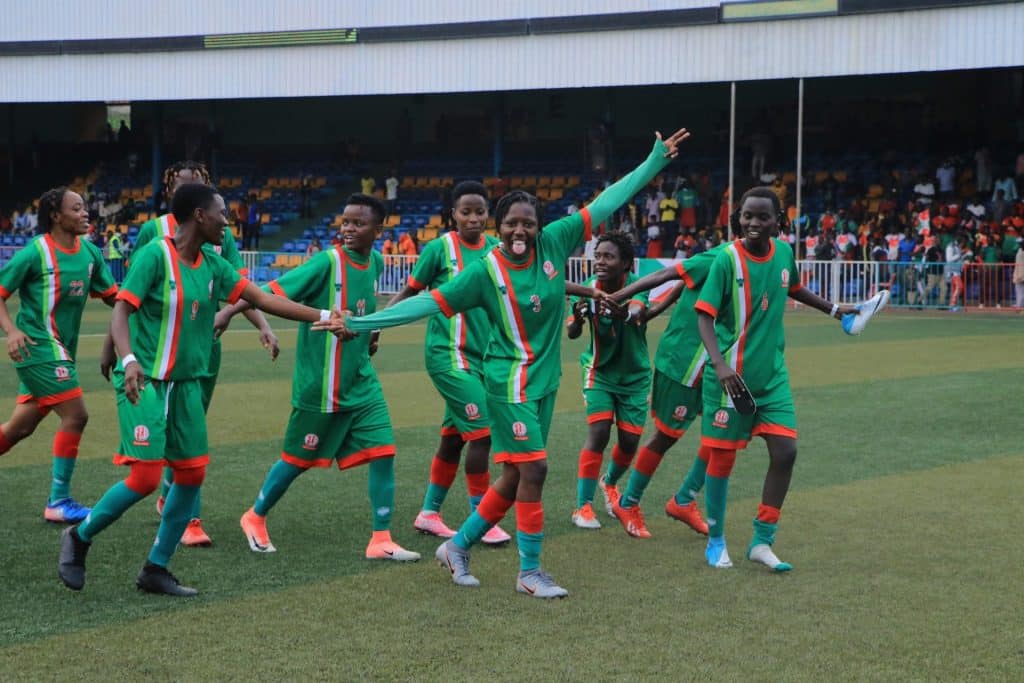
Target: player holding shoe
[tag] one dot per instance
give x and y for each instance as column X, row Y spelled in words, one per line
column 521, row 287
column 740, row 319
column 163, row 332
column 454, row 355
column 175, row 176
column 338, row 410
column 53, row 274
column 616, row 372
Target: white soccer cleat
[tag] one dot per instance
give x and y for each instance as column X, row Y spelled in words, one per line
column 456, row 560
column 538, row 584
column 762, row 552
column 854, row 323
column 584, row 517
column 716, row 554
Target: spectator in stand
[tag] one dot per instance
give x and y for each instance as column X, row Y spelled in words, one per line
column 627, row 227
column 724, row 209
column 1008, row 186
column 830, row 191
column 368, row 184
column 242, row 219
column 306, row 192
column 115, row 254
column 934, row 258
column 1001, row 208
column 651, row 204
column 706, row 200
column 1018, row 275
column 954, row 271
column 946, row 175
column 924, row 191
column 668, row 212
column 391, row 190
column 976, row 207
column 983, row 170
column 826, row 222
column 686, row 196
column 314, row 247
column 653, row 237
column 5, row 223
column 780, row 190
column 406, row 245
column 251, row 236
column 989, row 270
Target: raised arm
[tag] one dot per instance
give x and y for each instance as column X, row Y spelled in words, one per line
column 648, row 282
column 659, row 307
column 809, row 298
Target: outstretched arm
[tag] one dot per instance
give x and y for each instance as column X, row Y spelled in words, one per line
column 669, row 299
column 402, row 313
column 809, row 298
column 648, row 282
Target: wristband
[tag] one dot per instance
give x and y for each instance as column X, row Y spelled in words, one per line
column 129, row 358
column 835, row 309
column 325, row 315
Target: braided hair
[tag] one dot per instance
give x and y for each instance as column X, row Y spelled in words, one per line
column 514, row 197
column 49, row 204
column 201, row 175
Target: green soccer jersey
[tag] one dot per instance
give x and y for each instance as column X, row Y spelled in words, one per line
column 616, row 359
column 172, row 330
column 164, row 226
column 331, row 376
column 52, row 285
column 680, row 354
column 747, row 297
column 455, row 343
column 524, row 302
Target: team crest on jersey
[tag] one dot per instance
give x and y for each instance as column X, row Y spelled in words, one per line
column 679, row 413
column 89, row 272
column 209, row 288
column 549, row 270
column 361, row 307
column 535, row 300
column 311, row 442
column 218, row 249
column 503, row 289
column 722, row 419
column 61, row 373
column 785, row 279
column 195, row 309
column 472, row 411
column 519, row 431
column 764, row 301
column 140, row 436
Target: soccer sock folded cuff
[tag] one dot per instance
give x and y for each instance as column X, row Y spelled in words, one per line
column 442, row 474
column 588, row 472
column 490, row 511
column 619, row 465
column 694, row 480
column 65, row 454
column 529, row 533
column 381, row 488
column 647, row 462
column 477, row 484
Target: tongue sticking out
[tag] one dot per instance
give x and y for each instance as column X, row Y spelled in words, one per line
column 519, row 247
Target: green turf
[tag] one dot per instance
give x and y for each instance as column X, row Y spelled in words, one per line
column 899, row 524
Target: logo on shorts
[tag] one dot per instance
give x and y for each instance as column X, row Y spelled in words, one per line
column 519, row 431
column 472, row 411
column 722, row 419
column 549, row 270
column 311, row 442
column 679, row 413
column 140, row 436
column 62, row 373
column 785, row 278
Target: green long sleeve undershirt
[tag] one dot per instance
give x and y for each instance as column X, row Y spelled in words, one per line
column 404, row 312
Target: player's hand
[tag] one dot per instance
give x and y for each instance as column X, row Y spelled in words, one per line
column 108, row 358
column 133, row 381
column 17, row 346
column 635, row 314
column 221, row 322
column 269, row 341
column 374, row 341
column 673, row 142
column 579, row 310
column 336, row 325
column 729, row 380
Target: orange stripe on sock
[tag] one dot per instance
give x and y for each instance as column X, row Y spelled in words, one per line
column 5, row 445
column 721, row 462
column 590, row 464
column 477, row 483
column 768, row 514
column 529, row 516
column 493, row 506
column 443, row 473
column 704, row 453
column 65, row 444
column 647, row 461
column 621, row 458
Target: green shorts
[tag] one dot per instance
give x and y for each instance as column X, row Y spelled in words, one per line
column 519, row 431
column 628, row 410
column 207, row 384
column 166, row 425
column 674, row 406
column 465, row 410
column 350, row 438
column 48, row 384
column 723, row 427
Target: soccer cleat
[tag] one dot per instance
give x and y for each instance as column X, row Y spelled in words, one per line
column 255, row 528
column 539, row 584
column 854, row 323
column 716, row 553
column 156, row 579
column 194, row 535
column 611, row 495
column 495, row 536
column 71, row 564
column 160, row 500
column 386, row 549
column 430, row 523
column 688, row 514
column 762, row 552
column 585, row 518
column 66, row 510
column 456, row 560
column 632, row 519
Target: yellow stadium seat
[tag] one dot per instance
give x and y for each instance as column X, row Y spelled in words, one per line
column 337, row 220
column 490, row 181
column 839, row 176
column 264, row 218
column 819, row 176
column 875, row 191
column 392, row 220
column 572, row 181
column 378, row 193
column 281, row 261
column 873, row 205
column 435, row 221
column 295, row 260
column 543, row 181
column 407, row 182
column 554, row 194
column 530, row 181
column 430, row 232
column 421, row 181
column 515, row 182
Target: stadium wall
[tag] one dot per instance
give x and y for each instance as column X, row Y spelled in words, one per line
column 927, row 40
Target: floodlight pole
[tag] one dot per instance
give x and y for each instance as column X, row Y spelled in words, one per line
column 732, row 155
column 799, row 162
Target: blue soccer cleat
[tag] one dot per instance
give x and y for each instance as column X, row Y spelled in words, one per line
column 66, row 510
column 854, row 323
column 716, row 553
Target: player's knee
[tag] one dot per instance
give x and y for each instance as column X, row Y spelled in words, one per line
column 144, row 477
column 533, row 473
column 660, row 442
column 629, row 442
column 15, row 432
column 785, row 456
column 599, row 435
column 191, row 476
column 75, row 421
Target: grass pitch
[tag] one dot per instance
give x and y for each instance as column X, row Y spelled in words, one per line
column 900, row 525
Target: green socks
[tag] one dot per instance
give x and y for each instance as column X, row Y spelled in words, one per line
column 714, row 502
column 585, row 489
column 110, row 507
column 60, row 484
column 471, row 531
column 177, row 513
column 381, row 487
column 529, row 550
column 693, row 482
column 279, row 478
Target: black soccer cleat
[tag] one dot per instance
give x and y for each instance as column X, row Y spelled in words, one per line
column 71, row 565
column 156, row 579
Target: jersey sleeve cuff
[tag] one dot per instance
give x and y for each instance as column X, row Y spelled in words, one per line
column 236, row 293
column 638, row 302
column 588, row 228
column 685, row 276
column 443, row 303
column 4, row 293
column 276, row 289
column 705, row 307
column 130, row 297
column 416, row 284
column 110, row 291
column 244, row 272
column 795, row 288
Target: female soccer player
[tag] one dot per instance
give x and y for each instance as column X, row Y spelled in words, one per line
column 740, row 312
column 521, row 287
column 616, row 371
column 163, row 332
column 454, row 356
column 53, row 275
column 164, row 226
